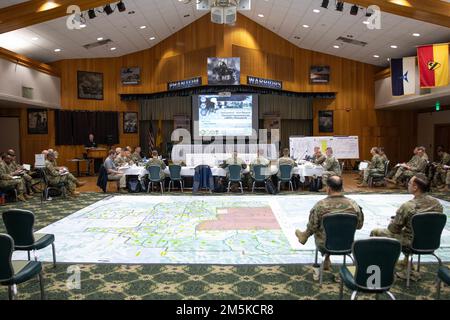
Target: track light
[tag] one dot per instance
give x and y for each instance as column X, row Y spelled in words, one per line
column 325, row 3
column 339, row 6
column 354, row 10
column 108, row 9
column 91, row 14
column 121, row 6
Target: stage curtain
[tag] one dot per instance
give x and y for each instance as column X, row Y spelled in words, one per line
column 73, row 127
column 165, row 108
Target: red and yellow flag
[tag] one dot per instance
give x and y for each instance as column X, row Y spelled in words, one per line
column 433, row 65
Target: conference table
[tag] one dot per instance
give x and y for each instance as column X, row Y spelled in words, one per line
column 302, row 170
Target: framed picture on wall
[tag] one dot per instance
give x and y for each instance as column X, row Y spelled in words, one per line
column 37, row 121
column 90, row 85
column 224, row 71
column 319, row 74
column 325, row 121
column 130, row 76
column 130, row 122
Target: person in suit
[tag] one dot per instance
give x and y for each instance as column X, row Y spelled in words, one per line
column 91, row 142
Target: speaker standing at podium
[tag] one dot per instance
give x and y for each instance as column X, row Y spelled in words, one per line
column 90, row 144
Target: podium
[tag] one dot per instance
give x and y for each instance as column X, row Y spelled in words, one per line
column 98, row 154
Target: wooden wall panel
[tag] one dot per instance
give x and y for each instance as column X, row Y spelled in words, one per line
column 169, row 69
column 251, row 61
column 279, row 67
column 195, row 62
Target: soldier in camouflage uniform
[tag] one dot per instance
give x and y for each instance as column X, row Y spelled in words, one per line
column 136, row 156
column 318, row 157
column 382, row 154
column 260, row 160
column 56, row 176
column 336, row 202
column 400, row 226
column 15, row 168
column 376, row 166
column 285, row 159
column 440, row 171
column 446, row 188
column 154, row 161
column 416, row 165
column 7, row 181
column 331, row 166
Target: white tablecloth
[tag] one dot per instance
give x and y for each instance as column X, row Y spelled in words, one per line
column 301, row 170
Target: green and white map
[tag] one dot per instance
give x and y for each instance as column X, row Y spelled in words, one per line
column 205, row 229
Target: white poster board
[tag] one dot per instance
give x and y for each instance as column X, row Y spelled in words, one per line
column 344, row 147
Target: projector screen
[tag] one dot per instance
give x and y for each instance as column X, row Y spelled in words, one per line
column 227, row 116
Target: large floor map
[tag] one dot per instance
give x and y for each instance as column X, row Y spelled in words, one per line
column 204, row 229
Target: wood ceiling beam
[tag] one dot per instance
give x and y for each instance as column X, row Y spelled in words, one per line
column 432, row 11
column 27, row 62
column 32, row 12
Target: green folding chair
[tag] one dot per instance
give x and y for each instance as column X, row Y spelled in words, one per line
column 235, row 176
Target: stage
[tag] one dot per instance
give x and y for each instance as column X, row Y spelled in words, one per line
column 205, row 229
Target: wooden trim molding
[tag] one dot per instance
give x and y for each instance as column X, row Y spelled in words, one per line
column 37, row 11
column 431, row 11
column 27, row 62
column 386, row 73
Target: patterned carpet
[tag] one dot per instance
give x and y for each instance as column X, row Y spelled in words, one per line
column 135, row 282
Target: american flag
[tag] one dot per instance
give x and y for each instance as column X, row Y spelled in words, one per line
column 150, row 138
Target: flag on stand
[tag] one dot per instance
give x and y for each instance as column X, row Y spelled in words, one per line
column 403, row 76
column 433, row 65
column 150, row 138
column 159, row 137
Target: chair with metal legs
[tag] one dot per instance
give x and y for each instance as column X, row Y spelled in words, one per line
column 442, row 276
column 17, row 272
column 427, row 229
column 155, row 177
column 340, row 231
column 285, row 176
column 258, row 176
column 235, row 176
column 19, row 225
column 175, row 176
column 375, row 260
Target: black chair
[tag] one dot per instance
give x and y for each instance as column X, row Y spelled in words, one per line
column 375, row 261
column 19, row 225
column 10, row 191
column 442, row 276
column 60, row 187
column 379, row 177
column 427, row 229
column 17, row 272
column 340, row 231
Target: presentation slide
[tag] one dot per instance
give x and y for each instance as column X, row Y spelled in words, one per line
column 228, row 116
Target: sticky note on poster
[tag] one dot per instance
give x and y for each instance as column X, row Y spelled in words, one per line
column 324, row 145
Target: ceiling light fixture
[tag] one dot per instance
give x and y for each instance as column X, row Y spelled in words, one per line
column 316, row 10
column 305, row 26
column 336, row 46
column 416, row 34
column 99, row 38
column 35, row 38
column 108, row 9
column 82, row 26
column 376, row 56
column 260, row 15
column 354, row 10
column 393, row 46
column 91, row 14
column 57, row 50
column 142, row 27
column 121, row 6
column 113, row 48
column 152, row 38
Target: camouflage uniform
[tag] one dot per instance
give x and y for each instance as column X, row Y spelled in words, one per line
column 136, row 158
column 330, row 205
column 318, row 158
column 332, row 167
column 376, row 166
column 13, row 166
column 55, row 178
column 120, row 161
column 157, row 162
column 400, row 227
column 384, row 158
column 441, row 173
column 260, row 160
column 417, row 164
column 7, row 181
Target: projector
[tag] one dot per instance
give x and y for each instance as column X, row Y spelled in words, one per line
column 224, row 11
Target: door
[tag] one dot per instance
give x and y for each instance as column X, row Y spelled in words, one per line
column 442, row 137
column 10, row 133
